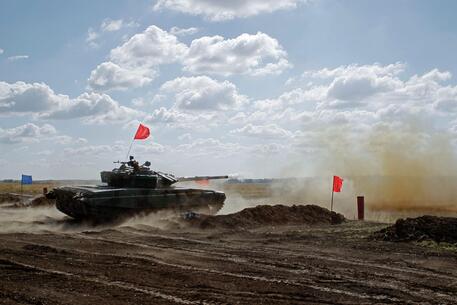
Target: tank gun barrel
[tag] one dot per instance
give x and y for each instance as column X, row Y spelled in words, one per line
column 198, row 178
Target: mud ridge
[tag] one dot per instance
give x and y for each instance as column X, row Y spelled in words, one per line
column 438, row 229
column 263, row 215
column 9, row 198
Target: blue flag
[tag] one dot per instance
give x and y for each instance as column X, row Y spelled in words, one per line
column 26, row 179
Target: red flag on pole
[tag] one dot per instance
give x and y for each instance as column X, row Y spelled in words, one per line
column 142, row 132
column 337, row 184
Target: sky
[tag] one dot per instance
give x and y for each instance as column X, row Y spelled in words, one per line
column 257, row 88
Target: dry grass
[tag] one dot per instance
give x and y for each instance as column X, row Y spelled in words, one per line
column 15, row 187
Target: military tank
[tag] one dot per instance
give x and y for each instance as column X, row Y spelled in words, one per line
column 134, row 189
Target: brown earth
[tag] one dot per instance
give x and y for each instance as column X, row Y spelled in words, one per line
column 48, row 259
column 9, row 198
column 433, row 228
column 262, row 215
column 17, row 202
column 40, row 201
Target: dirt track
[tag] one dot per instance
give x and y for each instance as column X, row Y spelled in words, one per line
column 140, row 264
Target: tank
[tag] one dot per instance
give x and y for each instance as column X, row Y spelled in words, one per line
column 133, row 189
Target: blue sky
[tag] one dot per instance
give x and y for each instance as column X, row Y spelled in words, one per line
column 257, row 88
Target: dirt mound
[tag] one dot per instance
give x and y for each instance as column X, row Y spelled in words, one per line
column 41, row 201
column 439, row 229
column 270, row 215
column 9, row 198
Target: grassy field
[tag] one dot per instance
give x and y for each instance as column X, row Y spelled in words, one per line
column 35, row 188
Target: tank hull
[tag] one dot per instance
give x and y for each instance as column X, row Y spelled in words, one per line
column 107, row 203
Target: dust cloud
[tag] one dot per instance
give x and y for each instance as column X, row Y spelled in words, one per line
column 30, row 219
column 25, row 217
column 402, row 171
column 157, row 220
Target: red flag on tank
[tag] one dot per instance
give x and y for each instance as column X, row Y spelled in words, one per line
column 337, row 184
column 142, row 132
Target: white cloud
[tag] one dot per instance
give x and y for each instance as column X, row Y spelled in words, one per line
column 177, row 119
column 80, row 141
column 357, row 87
column 64, row 140
column 164, row 115
column 203, row 93
column 183, row 32
column 446, row 93
column 41, row 101
column 139, row 102
column 185, row 137
column 88, row 150
column 296, row 96
column 369, row 86
column 368, row 97
column 269, row 149
column 257, row 54
column 446, row 105
column 150, row 48
column 109, row 76
column 26, row 133
column 354, row 69
column 95, row 108
column 135, row 63
column 354, row 83
column 150, row 148
column 1, row 51
column 44, row 153
column 23, row 97
column 263, row 131
column 219, row 10
column 109, row 25
column 17, row 57
column 108, row 150
column 209, row 146
column 436, row 75
column 92, row 37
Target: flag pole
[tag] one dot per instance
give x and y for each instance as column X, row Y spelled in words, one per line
column 21, row 190
column 333, row 191
column 128, row 152
column 331, row 205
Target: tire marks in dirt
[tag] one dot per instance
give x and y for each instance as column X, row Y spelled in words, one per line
column 116, row 284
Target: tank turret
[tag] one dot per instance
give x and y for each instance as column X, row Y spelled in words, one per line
column 131, row 174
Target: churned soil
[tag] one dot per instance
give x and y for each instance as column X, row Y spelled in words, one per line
column 9, row 198
column 40, row 201
column 272, row 255
column 37, row 201
column 438, row 229
column 17, row 201
column 271, row 215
